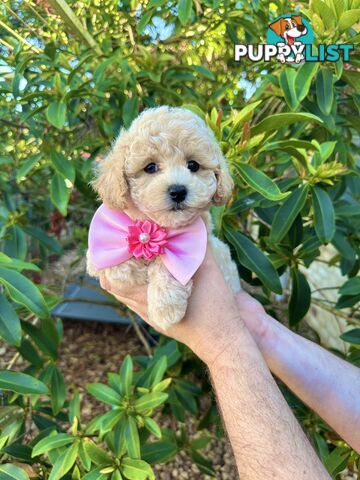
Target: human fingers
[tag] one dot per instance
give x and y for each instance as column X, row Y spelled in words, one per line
column 134, row 297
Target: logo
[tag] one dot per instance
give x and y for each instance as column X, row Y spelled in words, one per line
column 290, row 35
column 290, row 39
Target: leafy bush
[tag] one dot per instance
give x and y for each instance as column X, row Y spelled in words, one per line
column 72, row 75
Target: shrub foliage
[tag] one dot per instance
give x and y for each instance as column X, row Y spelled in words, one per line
column 72, row 74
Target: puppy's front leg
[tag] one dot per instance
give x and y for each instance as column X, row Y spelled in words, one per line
column 167, row 298
column 132, row 272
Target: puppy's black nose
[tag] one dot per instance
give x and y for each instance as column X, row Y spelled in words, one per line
column 301, row 28
column 177, row 193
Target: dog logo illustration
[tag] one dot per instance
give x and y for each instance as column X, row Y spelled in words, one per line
column 290, row 33
column 290, row 40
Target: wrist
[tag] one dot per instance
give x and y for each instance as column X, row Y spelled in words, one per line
column 227, row 346
column 212, row 344
column 262, row 328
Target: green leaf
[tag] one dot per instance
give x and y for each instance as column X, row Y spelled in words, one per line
column 41, row 339
column 324, row 215
column 59, row 193
column 15, row 245
column 351, row 287
column 27, row 166
column 156, row 3
column 158, row 370
column 300, row 297
column 158, row 452
column 111, row 418
column 104, row 393
column 287, row 84
column 326, row 149
column 204, row 71
column 274, row 122
column 286, row 214
column 84, row 457
column 116, row 475
column 195, row 109
column 15, row 264
column 254, row 259
column 292, row 142
column 337, row 460
column 260, row 182
column 21, row 383
column 19, row 451
column 130, row 110
column 57, row 390
column 64, row 462
column 74, row 407
column 240, row 117
column 152, row 426
column 132, row 438
column 204, row 465
column 144, row 21
column 136, row 469
column 150, row 401
column 95, row 475
column 347, row 301
column 49, row 242
column 325, row 90
column 97, row 455
column 29, row 353
column 126, row 376
column 10, row 327
column 348, row 19
column 161, row 386
column 352, row 336
column 56, row 113
column 63, row 166
column 51, row 442
column 23, row 291
column 304, row 78
column 12, row 472
column 184, row 11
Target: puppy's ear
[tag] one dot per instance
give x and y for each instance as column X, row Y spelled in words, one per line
column 225, row 184
column 276, row 27
column 297, row 19
column 110, row 182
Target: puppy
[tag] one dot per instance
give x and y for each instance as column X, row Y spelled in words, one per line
column 165, row 171
column 290, row 29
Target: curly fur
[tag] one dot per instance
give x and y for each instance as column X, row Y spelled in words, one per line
column 169, row 137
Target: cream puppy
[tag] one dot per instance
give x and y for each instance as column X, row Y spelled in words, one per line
column 168, row 168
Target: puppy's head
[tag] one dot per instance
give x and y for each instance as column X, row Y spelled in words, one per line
column 168, row 164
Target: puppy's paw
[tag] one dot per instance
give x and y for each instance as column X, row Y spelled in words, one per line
column 167, row 315
column 90, row 268
column 167, row 298
column 129, row 272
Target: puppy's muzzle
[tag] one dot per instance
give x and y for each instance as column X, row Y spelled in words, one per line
column 177, row 193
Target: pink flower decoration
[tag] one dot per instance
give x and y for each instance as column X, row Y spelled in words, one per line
column 146, row 239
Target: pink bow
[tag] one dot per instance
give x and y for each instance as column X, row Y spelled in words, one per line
column 114, row 238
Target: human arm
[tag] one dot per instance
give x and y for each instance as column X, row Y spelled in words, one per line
column 260, row 425
column 325, row 382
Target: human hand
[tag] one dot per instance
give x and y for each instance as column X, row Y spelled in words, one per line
column 212, row 317
column 253, row 314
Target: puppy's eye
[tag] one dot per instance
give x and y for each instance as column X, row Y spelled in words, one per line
column 151, row 168
column 193, row 166
column 286, row 27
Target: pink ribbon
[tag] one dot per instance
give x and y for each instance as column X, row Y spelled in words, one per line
column 114, row 238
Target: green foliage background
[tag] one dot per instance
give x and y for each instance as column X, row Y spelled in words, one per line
column 73, row 73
